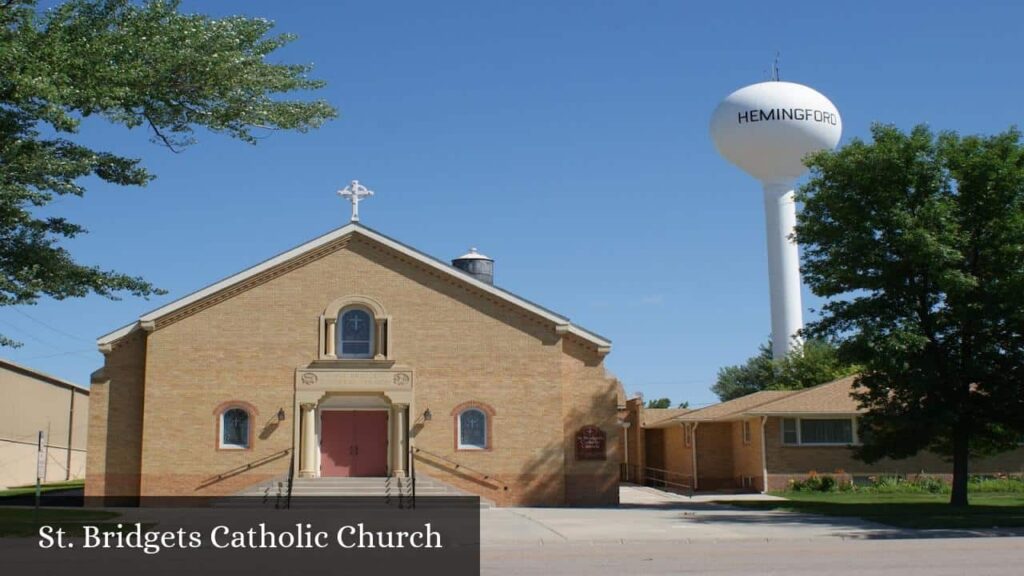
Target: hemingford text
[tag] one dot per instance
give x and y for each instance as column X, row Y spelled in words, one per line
column 299, row 536
column 800, row 114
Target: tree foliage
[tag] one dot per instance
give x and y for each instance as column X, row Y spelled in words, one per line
column 816, row 362
column 665, row 403
column 917, row 243
column 659, row 403
column 136, row 65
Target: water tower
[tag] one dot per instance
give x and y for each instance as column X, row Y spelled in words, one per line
column 766, row 130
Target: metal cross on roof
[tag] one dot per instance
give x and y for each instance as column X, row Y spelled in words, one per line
column 354, row 193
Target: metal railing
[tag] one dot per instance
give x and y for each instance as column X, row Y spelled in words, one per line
column 412, row 474
column 458, row 466
column 262, row 461
column 657, row 478
column 291, row 479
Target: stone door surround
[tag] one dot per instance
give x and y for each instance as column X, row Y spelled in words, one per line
column 316, row 383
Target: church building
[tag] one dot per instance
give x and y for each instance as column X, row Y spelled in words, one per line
column 354, row 355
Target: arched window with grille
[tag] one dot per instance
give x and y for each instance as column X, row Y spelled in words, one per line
column 355, row 333
column 234, row 428
column 472, row 433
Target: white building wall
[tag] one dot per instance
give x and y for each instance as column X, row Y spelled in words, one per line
column 30, row 403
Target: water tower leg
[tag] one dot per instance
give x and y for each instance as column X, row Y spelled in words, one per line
column 783, row 268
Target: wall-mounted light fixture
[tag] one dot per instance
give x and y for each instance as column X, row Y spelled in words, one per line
column 280, row 414
column 427, row 416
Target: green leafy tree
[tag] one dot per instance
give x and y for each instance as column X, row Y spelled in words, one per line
column 138, row 65
column 659, row 403
column 757, row 373
column 816, row 362
column 665, row 403
column 917, row 243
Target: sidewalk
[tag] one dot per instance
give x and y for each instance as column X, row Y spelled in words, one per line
column 650, row 515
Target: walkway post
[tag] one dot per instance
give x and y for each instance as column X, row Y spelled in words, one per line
column 40, row 468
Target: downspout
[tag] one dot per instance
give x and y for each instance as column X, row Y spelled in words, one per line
column 764, row 455
column 693, row 448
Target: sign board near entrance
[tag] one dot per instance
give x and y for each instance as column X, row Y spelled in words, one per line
column 591, row 444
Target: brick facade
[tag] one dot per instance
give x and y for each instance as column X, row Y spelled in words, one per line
column 748, row 468
column 154, row 399
column 787, row 462
column 726, row 461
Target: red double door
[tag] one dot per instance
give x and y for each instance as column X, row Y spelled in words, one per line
column 353, row 443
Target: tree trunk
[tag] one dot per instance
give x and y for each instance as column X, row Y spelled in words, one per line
column 961, row 453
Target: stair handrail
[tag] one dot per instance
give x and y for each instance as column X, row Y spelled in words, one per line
column 246, row 467
column 291, row 477
column 458, row 465
column 412, row 459
column 412, row 475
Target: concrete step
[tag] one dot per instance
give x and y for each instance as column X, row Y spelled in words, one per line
column 385, row 487
column 321, row 491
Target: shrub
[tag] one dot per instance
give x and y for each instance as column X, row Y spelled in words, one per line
column 930, row 484
column 997, row 484
column 893, row 484
column 887, row 484
column 844, row 482
column 814, row 483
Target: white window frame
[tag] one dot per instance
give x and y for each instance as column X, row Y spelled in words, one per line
column 799, row 439
column 688, row 435
column 458, row 431
column 248, row 429
column 340, row 343
column 746, row 433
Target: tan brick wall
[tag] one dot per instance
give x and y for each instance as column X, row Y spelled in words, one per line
column 590, row 398
column 115, row 422
column 462, row 345
column 636, row 435
column 747, row 456
column 796, row 462
column 678, row 457
column 715, row 456
column 666, row 458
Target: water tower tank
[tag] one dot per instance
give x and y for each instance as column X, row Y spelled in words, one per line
column 767, row 129
column 476, row 265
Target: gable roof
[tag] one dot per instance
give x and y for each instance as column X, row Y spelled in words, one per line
column 660, row 417
column 562, row 324
column 734, row 408
column 829, row 398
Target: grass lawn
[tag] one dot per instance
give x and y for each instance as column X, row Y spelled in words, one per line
column 906, row 510
column 22, row 522
column 22, row 490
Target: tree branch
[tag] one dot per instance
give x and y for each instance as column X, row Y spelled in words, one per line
column 163, row 138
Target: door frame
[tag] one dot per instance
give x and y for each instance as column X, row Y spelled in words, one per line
column 319, row 431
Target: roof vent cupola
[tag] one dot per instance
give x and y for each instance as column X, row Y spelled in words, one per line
column 476, row 265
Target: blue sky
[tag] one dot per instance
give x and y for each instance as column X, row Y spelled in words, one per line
column 567, row 140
